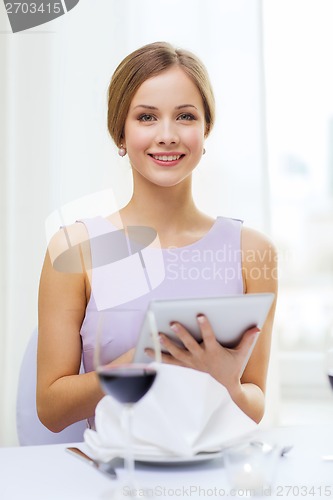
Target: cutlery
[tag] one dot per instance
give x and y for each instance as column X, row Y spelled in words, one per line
column 105, row 468
column 266, row 448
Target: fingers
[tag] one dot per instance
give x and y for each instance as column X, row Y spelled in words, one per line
column 208, row 335
column 179, row 353
column 165, row 358
column 247, row 341
column 189, row 342
column 184, row 336
column 184, row 354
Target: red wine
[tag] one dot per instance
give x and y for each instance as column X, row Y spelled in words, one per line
column 126, row 384
column 330, row 378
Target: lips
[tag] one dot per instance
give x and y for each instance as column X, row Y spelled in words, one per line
column 167, row 159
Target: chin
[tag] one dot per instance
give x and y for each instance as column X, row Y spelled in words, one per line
column 168, row 179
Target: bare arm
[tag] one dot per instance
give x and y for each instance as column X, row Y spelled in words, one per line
column 260, row 275
column 63, row 396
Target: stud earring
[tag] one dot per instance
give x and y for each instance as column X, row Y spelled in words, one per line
column 122, row 151
column 203, row 151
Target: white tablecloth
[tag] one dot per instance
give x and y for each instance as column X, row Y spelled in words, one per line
column 49, row 473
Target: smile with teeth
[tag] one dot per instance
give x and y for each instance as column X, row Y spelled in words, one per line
column 166, row 157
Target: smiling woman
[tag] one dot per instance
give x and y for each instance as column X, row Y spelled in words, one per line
column 161, row 110
column 55, row 149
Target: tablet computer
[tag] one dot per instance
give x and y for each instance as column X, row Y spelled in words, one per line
column 230, row 317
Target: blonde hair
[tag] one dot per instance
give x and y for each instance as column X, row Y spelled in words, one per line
column 144, row 63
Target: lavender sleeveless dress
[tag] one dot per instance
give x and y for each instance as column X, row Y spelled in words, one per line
column 121, row 290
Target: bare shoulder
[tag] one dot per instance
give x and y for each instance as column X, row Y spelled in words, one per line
column 69, row 236
column 68, row 246
column 258, row 244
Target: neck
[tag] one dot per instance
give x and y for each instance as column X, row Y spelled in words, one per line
column 167, row 209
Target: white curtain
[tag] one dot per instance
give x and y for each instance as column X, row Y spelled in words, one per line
column 54, row 143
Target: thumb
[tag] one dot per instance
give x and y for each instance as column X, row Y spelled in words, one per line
column 249, row 337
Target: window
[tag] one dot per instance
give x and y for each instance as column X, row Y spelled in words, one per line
column 298, row 50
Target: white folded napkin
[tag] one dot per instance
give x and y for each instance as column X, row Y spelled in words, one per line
column 184, row 413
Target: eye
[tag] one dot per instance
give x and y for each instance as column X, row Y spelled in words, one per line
column 146, row 118
column 186, row 117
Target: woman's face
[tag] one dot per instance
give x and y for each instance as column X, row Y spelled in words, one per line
column 165, row 127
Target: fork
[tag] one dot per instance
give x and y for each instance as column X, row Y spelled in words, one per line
column 104, row 468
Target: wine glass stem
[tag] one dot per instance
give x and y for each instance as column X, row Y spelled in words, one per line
column 129, row 455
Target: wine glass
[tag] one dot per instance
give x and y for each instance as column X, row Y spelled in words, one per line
column 127, row 383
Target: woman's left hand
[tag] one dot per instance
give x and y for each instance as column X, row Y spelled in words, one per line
column 224, row 364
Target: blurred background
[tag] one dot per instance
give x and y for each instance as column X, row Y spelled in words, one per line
column 269, row 159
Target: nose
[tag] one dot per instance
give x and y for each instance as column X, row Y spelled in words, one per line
column 167, row 133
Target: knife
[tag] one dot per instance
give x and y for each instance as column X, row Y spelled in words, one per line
column 104, row 468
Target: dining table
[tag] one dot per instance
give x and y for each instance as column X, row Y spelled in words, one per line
column 49, row 472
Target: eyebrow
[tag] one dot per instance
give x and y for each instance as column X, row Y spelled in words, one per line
column 146, row 106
